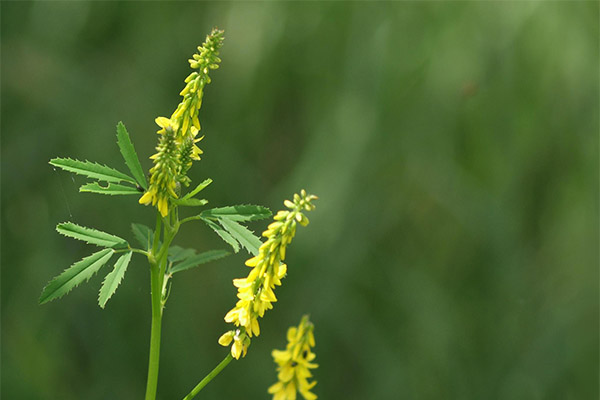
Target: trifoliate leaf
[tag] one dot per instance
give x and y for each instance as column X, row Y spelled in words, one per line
column 111, row 189
column 113, row 279
column 199, row 259
column 130, row 156
column 143, row 235
column 90, row 236
column 91, row 170
column 244, row 212
column 223, row 234
column 242, row 235
column 74, row 275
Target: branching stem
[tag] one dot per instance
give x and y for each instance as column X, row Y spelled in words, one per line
column 209, row 377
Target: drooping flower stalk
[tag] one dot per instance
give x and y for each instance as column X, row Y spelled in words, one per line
column 255, row 292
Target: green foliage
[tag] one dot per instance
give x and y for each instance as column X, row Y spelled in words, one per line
column 197, row 189
column 142, row 234
column 244, row 212
column 90, row 236
column 198, row 259
column 242, row 234
column 111, row 189
column 113, row 279
column 80, row 271
column 130, row 156
column 191, row 202
column 223, row 234
column 91, row 170
column 177, row 253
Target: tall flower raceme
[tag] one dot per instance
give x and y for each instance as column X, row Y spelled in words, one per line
column 255, row 292
column 177, row 144
column 294, row 364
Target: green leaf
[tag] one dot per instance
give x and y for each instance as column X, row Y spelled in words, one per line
column 242, row 235
column 110, row 189
column 80, row 271
column 197, row 189
column 130, row 156
column 89, row 235
column 244, row 212
column 177, row 253
column 113, row 279
column 223, row 234
column 143, row 235
column 190, row 202
column 199, row 259
column 91, row 170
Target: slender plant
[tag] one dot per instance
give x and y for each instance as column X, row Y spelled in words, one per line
column 169, row 190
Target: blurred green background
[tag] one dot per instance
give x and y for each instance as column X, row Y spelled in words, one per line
column 454, row 147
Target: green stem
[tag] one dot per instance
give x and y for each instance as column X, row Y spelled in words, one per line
column 188, row 219
column 153, row 361
column 158, row 264
column 209, row 377
column 134, row 250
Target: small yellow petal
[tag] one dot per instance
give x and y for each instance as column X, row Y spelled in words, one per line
column 226, row 338
column 251, row 262
column 146, row 198
column 255, row 327
column 236, row 349
column 286, row 373
column 163, row 122
column 275, row 388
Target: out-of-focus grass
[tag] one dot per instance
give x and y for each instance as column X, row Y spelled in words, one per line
column 454, row 148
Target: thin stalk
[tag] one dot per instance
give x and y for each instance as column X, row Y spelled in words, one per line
column 209, row 377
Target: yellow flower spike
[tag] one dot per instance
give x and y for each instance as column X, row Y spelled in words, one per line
column 176, row 148
column 255, row 292
column 293, row 364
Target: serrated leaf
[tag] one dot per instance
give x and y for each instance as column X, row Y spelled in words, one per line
column 80, row 271
column 111, row 189
column 198, row 188
column 91, row 170
column 199, row 259
column 177, row 253
column 90, row 236
column 244, row 212
column 130, row 156
column 143, row 235
column 242, row 234
column 190, row 202
column 113, row 279
column 223, row 234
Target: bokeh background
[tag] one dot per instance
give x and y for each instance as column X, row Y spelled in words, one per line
column 454, row 147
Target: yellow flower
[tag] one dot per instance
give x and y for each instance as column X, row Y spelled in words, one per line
column 294, row 364
column 255, row 292
column 177, row 144
column 163, row 180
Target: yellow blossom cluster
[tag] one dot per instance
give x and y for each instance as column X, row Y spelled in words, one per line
column 178, row 134
column 294, row 364
column 255, row 292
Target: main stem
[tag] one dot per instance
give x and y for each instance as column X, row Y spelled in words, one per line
column 158, row 265
column 154, row 333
